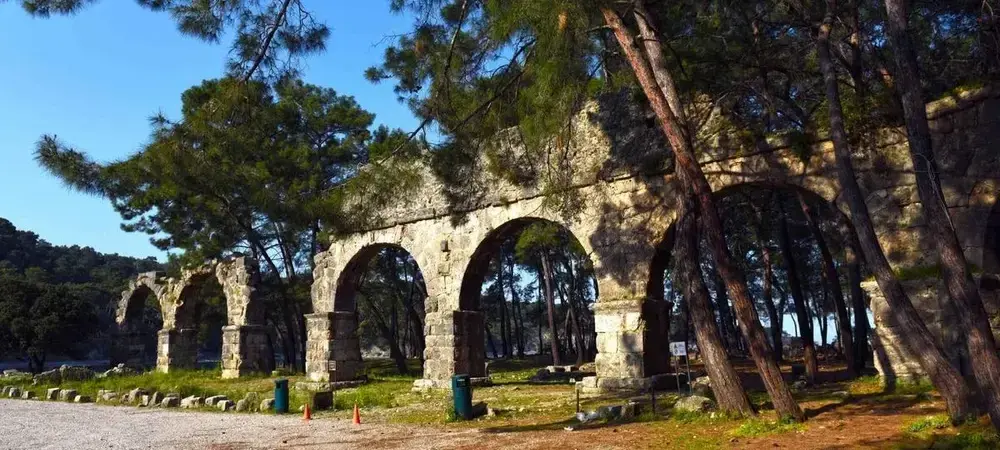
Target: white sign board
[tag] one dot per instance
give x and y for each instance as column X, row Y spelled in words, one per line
column 678, row 348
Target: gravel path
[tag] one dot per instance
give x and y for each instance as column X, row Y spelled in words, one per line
column 52, row 425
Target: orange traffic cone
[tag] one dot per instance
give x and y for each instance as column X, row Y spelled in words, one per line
column 307, row 413
column 357, row 415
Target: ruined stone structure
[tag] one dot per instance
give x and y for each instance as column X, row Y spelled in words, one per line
column 245, row 345
column 620, row 207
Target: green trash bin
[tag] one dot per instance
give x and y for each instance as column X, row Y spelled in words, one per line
column 461, row 390
column 281, row 396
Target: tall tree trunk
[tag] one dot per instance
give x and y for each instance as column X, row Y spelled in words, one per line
column 726, row 383
column 501, row 298
column 686, row 161
column 799, row 299
column 550, row 302
column 833, row 279
column 858, row 304
column 763, row 238
column 490, row 341
column 955, row 270
column 916, row 337
column 541, row 314
column 516, row 307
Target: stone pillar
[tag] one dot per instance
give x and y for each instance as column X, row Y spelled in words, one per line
column 620, row 340
column 245, row 350
column 454, row 345
column 129, row 348
column 333, row 350
column 177, row 349
column 892, row 360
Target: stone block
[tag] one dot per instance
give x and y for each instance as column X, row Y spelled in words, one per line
column 27, row 395
column 136, row 394
column 109, row 396
column 215, row 399
column 67, row 395
column 170, row 402
column 52, row 394
column 266, row 404
column 242, row 405
column 14, row 392
column 322, row 400
column 225, row 405
column 191, row 402
column 82, row 399
column 145, row 400
column 155, row 399
column 694, row 403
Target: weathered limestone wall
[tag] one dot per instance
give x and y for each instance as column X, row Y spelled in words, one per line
column 245, row 347
column 620, row 207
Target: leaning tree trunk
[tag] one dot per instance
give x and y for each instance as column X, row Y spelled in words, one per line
column 843, row 320
column 726, row 383
column 799, row 299
column 550, row 302
column 686, row 161
column 916, row 338
column 955, row 270
column 861, row 350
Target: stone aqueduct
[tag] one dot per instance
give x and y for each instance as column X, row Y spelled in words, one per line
column 620, row 208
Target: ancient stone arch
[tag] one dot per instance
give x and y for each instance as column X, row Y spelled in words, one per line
column 245, row 345
column 617, row 198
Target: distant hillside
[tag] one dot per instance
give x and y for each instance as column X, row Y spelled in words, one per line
column 97, row 278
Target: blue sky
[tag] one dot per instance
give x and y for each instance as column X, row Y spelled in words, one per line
column 93, row 79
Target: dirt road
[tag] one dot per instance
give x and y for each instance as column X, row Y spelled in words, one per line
column 52, row 425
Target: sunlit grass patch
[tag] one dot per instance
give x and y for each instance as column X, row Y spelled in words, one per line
column 761, row 427
column 937, row 422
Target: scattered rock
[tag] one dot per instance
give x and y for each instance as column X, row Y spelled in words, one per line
column 27, row 395
column 52, row 394
column 136, row 394
column 53, row 376
column 109, row 396
column 67, row 395
column 491, row 411
column 5, row 390
column 799, row 385
column 225, row 405
column 702, row 386
column 241, row 405
column 155, row 399
column 117, row 371
column 588, row 367
column 694, row 403
column 144, row 400
column 266, row 404
column 631, row 410
column 82, row 399
column 14, row 392
column 170, row 402
column 213, row 400
column 610, row 412
column 76, row 373
column 191, row 402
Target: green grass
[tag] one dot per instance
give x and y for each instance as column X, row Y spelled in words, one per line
column 760, row 427
column 873, row 386
column 938, row 422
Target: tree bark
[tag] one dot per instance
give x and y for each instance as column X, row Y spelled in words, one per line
column 833, row 279
column 501, row 298
column 955, row 270
column 550, row 301
column 858, row 304
column 685, row 159
column 799, row 299
column 916, row 337
column 726, row 383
